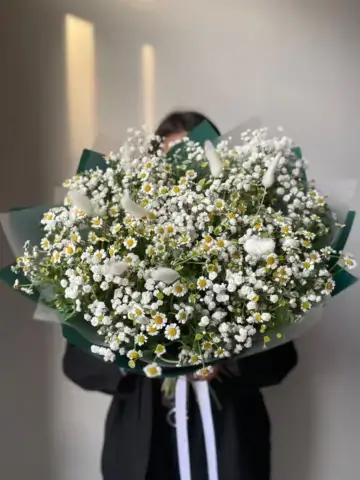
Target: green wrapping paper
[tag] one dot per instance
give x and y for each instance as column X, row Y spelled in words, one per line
column 91, row 161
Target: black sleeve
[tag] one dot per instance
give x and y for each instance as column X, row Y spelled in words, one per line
column 90, row 372
column 269, row 367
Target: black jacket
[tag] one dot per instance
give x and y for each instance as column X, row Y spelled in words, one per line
column 139, row 443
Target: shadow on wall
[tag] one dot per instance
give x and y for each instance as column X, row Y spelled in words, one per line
column 25, row 345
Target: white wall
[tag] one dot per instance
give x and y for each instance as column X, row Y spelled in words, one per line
column 294, row 63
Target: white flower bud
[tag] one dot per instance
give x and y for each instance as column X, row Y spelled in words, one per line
column 166, row 275
column 114, row 268
column 269, row 176
column 215, row 163
column 290, row 243
column 81, row 201
column 257, row 246
column 133, row 208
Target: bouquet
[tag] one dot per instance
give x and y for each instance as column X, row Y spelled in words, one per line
column 169, row 264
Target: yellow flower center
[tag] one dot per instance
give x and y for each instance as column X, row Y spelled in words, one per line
column 202, row 283
column 130, row 242
column 159, row 320
column 176, row 189
column 178, row 289
column 172, row 332
column 147, row 188
column 69, row 249
column 153, row 371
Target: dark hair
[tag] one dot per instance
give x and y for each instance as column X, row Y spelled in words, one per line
column 182, row 121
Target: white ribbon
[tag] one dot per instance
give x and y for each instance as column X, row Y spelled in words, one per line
column 203, row 397
column 182, row 437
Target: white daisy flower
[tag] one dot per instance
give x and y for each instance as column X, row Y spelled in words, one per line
column 115, row 229
column 305, row 304
column 130, row 243
column 272, row 260
column 172, row 331
column 55, row 257
column 349, row 262
column 182, row 316
column 153, row 370
column 69, row 249
column 140, row 339
column 134, row 355
column 203, row 283
column 45, row 243
column 96, row 222
column 160, row 350
column 147, row 188
column 204, row 372
column 159, row 320
column 114, row 211
column 179, row 289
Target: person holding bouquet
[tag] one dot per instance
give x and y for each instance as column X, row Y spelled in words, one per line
column 139, row 433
